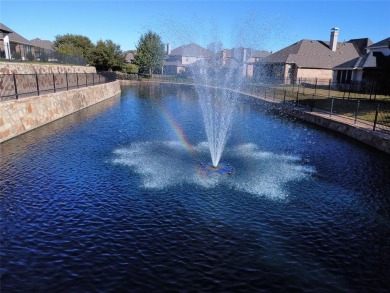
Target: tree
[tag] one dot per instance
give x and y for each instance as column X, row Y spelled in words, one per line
column 73, row 45
column 130, row 68
column 150, row 52
column 107, row 55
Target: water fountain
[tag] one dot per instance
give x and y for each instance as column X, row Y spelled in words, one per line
column 213, row 78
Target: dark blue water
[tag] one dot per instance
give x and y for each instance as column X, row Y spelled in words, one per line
column 109, row 200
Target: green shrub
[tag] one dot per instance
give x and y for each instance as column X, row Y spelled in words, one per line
column 130, row 68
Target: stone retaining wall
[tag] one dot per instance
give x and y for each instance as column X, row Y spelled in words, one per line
column 372, row 138
column 30, row 68
column 20, row 116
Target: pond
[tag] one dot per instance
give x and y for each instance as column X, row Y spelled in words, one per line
column 111, row 199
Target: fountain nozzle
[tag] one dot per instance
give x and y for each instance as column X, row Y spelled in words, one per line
column 211, row 170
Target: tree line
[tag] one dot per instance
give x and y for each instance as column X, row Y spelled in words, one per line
column 106, row 55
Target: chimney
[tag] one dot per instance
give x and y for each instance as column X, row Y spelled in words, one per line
column 224, row 56
column 334, row 34
column 243, row 55
column 168, row 48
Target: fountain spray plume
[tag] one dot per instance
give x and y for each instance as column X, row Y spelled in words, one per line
column 216, row 72
column 215, row 76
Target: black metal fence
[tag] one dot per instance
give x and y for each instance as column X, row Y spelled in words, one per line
column 372, row 112
column 327, row 87
column 26, row 53
column 357, row 101
column 16, row 86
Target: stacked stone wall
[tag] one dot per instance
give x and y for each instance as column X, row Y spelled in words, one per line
column 29, row 68
column 20, row 116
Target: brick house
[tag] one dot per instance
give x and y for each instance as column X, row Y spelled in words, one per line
column 184, row 57
column 13, row 46
column 310, row 59
column 376, row 66
column 242, row 57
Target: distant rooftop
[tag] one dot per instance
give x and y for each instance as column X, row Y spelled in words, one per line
column 317, row 54
column 381, row 44
column 42, row 44
column 15, row 37
column 191, row 50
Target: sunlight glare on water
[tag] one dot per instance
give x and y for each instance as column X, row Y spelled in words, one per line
column 164, row 164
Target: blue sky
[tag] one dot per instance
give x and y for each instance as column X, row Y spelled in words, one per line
column 265, row 25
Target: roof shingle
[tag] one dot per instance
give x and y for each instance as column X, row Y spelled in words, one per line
column 15, row 37
column 314, row 54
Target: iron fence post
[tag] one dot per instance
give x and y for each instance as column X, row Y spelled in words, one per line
column 349, row 92
column 345, row 88
column 54, row 83
column 37, row 81
column 331, row 107
column 16, row 88
column 371, row 89
column 67, row 83
column 312, row 103
column 357, row 110
column 330, row 84
column 86, row 80
column 77, row 78
column 315, row 86
column 376, row 117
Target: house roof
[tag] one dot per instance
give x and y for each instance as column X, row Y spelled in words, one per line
column 42, row 44
column 384, row 43
column 259, row 53
column 4, row 29
column 314, row 54
column 250, row 53
column 191, row 50
column 361, row 45
column 367, row 60
column 15, row 37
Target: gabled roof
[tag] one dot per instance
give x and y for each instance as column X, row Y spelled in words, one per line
column 314, row 54
column 367, row 60
column 15, row 37
column 259, row 53
column 361, row 45
column 48, row 45
column 384, row 43
column 4, row 29
column 191, row 50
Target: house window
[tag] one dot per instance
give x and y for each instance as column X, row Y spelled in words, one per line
column 349, row 75
column 344, row 76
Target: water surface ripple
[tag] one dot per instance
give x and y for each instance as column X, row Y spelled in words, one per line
column 109, row 200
